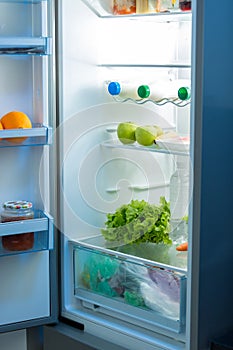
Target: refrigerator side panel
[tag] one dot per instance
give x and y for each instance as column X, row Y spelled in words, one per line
column 210, row 303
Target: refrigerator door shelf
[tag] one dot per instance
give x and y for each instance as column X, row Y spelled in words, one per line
column 41, row 227
column 36, row 136
column 103, row 8
column 25, row 46
column 142, row 293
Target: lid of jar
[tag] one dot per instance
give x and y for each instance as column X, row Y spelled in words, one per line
column 17, row 205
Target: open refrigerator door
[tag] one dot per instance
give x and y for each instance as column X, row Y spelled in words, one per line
column 27, row 119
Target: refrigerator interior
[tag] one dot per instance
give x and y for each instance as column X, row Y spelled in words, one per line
column 107, row 285
column 26, row 67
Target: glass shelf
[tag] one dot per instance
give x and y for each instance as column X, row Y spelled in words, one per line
column 25, row 46
column 36, row 136
column 103, row 9
column 137, row 147
column 41, row 227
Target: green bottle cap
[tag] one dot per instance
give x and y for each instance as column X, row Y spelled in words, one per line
column 144, row 91
column 184, row 93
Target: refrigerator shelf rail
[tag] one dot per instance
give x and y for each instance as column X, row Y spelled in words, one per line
column 36, row 136
column 177, row 102
column 41, row 226
column 107, row 281
column 104, row 10
column 25, row 46
column 137, row 147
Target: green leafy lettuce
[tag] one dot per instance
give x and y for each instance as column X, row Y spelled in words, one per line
column 139, row 221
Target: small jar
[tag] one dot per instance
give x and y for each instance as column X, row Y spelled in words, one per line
column 17, row 211
column 185, row 5
column 124, row 7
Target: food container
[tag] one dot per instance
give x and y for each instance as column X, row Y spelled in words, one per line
column 185, row 5
column 124, row 7
column 17, row 211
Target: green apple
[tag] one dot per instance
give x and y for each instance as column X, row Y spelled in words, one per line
column 126, row 132
column 146, row 134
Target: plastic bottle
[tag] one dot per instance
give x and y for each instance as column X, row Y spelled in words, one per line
column 170, row 90
column 123, row 90
column 142, row 6
column 162, row 5
column 185, row 5
column 179, row 199
column 184, row 93
column 124, row 7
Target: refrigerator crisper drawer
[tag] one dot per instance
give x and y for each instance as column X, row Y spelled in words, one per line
column 145, row 292
column 27, row 235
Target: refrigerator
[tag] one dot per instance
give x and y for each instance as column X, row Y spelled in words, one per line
column 89, row 289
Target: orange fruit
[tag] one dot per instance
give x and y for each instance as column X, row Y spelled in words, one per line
column 16, row 120
column 1, row 127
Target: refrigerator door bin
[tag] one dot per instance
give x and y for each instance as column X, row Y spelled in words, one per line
column 28, row 235
column 139, row 291
column 36, row 136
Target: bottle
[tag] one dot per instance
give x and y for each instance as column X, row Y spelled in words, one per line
column 171, row 90
column 157, row 92
column 184, row 93
column 17, row 211
column 142, row 6
column 185, row 5
column 179, row 199
column 124, row 7
column 162, row 5
column 123, row 90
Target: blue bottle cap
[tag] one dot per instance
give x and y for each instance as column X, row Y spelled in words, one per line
column 114, row 88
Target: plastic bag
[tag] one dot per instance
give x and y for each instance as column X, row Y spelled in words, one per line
column 154, row 288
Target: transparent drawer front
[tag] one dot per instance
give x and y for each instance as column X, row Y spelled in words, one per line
column 146, row 292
